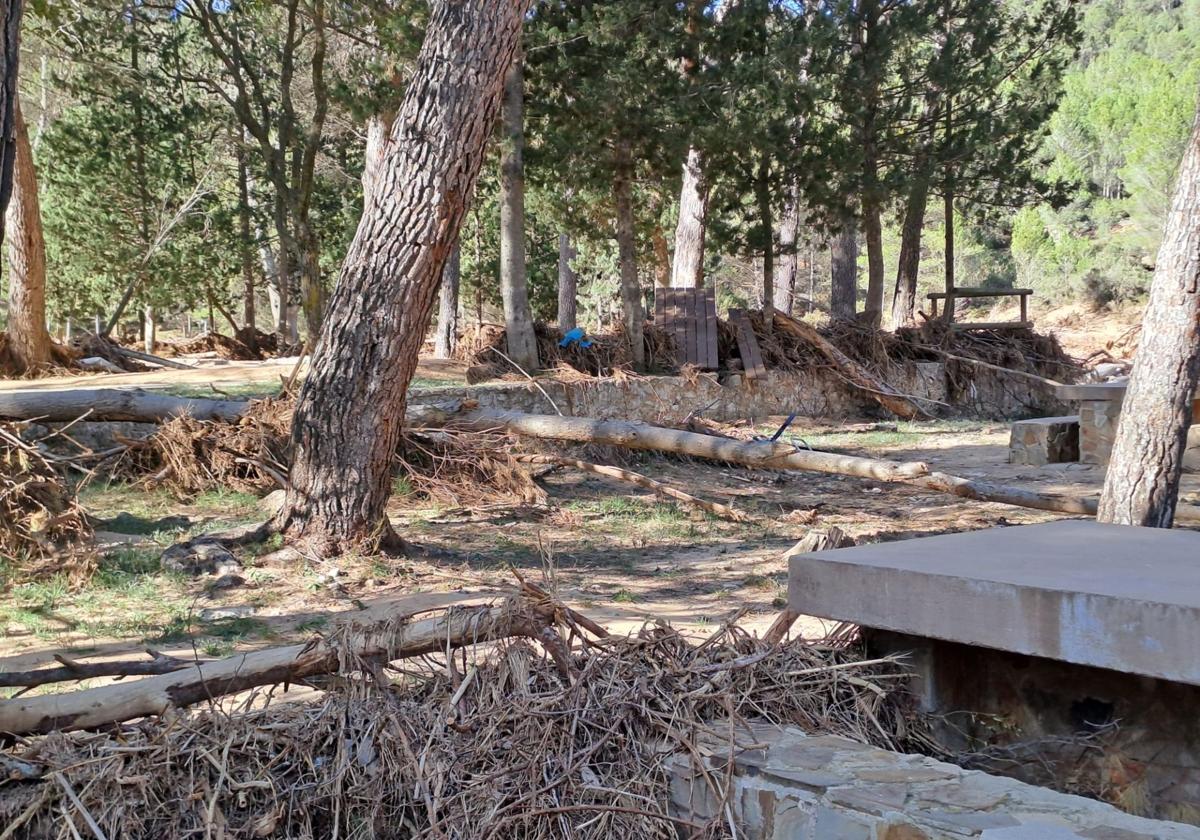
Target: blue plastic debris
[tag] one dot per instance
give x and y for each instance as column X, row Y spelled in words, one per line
column 575, row 336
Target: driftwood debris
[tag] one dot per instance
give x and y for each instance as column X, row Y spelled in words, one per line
column 854, row 373
column 114, row 404
column 385, row 641
column 664, row 490
column 815, row 540
column 151, row 358
column 69, row 670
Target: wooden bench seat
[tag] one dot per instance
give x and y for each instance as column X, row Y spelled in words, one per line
column 978, row 292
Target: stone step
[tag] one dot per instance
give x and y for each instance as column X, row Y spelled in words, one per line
column 1044, row 440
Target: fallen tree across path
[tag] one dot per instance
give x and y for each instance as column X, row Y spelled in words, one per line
column 385, row 641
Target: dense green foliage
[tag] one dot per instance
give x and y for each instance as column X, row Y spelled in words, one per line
column 1057, row 133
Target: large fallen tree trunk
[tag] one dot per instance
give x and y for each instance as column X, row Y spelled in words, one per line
column 767, row 455
column 636, row 435
column 113, row 404
column 854, row 373
column 386, row 641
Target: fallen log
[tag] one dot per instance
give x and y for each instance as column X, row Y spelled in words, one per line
column 636, row 435
column 114, row 404
column 69, row 670
column 767, row 455
column 150, row 357
column 387, row 640
column 665, row 490
column 854, row 373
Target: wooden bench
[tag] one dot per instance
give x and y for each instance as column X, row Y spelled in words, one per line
column 974, row 292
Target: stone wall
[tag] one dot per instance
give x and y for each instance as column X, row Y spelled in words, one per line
column 796, row 787
column 816, row 393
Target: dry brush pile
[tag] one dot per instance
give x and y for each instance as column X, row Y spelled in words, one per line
column 41, row 522
column 499, row 741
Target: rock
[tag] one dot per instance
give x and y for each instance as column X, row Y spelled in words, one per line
column 228, row 580
column 98, row 363
column 272, row 502
column 225, row 613
column 199, row 558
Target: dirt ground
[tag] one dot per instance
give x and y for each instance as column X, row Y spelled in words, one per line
column 623, row 557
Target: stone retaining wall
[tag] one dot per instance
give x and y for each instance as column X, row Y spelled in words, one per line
column 798, row 787
column 816, row 393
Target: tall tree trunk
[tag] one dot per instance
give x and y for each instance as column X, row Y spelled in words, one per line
column 687, row 269
column 789, row 260
column 379, row 127
column 10, row 43
column 948, row 211
column 284, row 325
column 567, row 284
column 873, row 234
column 312, row 290
column 149, row 329
column 29, row 339
column 843, row 273
column 246, row 241
column 904, row 299
column 518, row 319
column 446, row 336
column 662, row 257
column 1142, row 483
column 766, row 220
column 631, row 289
column 348, row 418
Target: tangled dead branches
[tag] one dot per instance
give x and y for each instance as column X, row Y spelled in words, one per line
column 495, row 744
column 42, row 525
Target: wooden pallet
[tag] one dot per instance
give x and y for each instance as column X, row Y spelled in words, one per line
column 752, row 361
column 690, row 315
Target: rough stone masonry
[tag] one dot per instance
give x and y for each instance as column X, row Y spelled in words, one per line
column 792, row 786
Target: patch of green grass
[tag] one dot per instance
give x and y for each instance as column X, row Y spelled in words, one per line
column 227, row 502
column 624, row 596
column 216, row 649
column 758, row 582
column 237, row 629
column 312, row 625
column 402, row 487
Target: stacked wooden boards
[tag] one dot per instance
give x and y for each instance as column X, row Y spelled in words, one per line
column 690, row 315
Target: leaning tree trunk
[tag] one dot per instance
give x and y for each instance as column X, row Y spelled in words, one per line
column 10, row 45
column 446, row 336
column 843, row 271
column 631, row 289
column 518, row 320
column 687, row 268
column 568, row 283
column 789, row 228
column 904, row 299
column 348, row 420
column 29, row 340
column 1142, row 483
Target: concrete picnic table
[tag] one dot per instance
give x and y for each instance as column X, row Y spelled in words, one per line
column 1099, row 410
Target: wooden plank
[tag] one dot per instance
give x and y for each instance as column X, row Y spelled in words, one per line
column 678, row 325
column 701, row 329
column 752, row 362
column 689, row 323
column 710, row 316
column 977, row 292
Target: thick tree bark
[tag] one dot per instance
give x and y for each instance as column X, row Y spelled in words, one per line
column 246, row 241
column 379, row 128
column 29, row 339
column 687, row 268
column 446, row 336
column 518, row 319
column 789, row 260
column 631, row 290
column 843, row 270
column 348, row 419
column 10, row 54
column 1142, row 483
column 904, row 299
column 568, row 283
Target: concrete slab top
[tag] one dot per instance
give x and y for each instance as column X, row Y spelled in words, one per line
column 1114, row 390
column 1076, row 590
